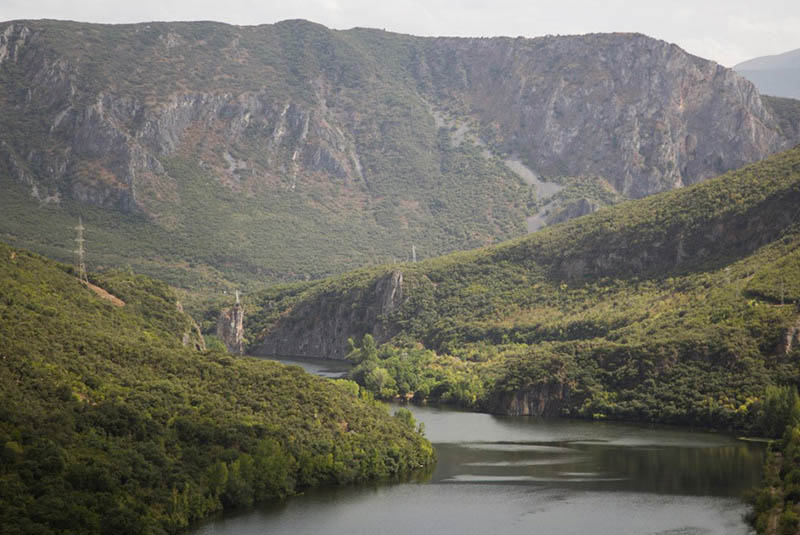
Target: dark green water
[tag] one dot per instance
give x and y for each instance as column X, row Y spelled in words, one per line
column 510, row 475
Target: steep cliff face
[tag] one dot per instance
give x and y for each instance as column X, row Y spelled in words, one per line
column 230, row 328
column 634, row 109
column 638, row 111
column 341, row 137
column 192, row 336
column 791, row 338
column 101, row 144
column 321, row 327
column 546, row 399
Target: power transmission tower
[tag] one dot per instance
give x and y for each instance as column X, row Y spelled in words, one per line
column 81, row 265
column 783, row 290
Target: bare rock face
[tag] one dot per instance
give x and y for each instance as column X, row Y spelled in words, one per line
column 103, row 146
column 577, row 208
column 640, row 112
column 791, row 338
column 193, row 338
column 230, row 328
column 321, row 327
column 545, row 399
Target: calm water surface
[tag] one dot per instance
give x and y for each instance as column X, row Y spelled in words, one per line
column 509, row 475
column 331, row 369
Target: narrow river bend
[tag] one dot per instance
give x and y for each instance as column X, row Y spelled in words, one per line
column 517, row 475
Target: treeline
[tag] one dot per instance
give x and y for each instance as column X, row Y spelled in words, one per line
column 109, row 425
column 776, row 505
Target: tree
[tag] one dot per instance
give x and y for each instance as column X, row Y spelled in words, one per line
column 368, row 351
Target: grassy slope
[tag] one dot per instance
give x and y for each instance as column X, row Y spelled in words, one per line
column 664, row 309
column 109, row 425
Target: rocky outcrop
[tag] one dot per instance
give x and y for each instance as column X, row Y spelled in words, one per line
column 320, row 327
column 573, row 209
column 230, row 328
column 193, row 338
column 543, row 399
column 791, row 339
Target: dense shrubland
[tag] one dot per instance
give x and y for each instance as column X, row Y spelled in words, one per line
column 109, row 425
column 678, row 313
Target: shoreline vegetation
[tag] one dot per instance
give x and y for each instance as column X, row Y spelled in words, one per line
column 108, row 424
column 775, row 419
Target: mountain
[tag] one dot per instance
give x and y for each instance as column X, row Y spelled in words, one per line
column 681, row 307
column 777, row 75
column 110, row 424
column 214, row 156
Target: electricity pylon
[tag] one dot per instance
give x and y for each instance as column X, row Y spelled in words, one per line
column 81, row 265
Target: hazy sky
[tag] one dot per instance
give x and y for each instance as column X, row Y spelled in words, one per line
column 728, row 31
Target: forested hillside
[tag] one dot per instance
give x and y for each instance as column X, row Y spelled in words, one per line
column 109, row 424
column 681, row 308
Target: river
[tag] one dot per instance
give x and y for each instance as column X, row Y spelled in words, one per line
column 517, row 475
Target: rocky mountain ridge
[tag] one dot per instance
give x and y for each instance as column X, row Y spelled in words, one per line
column 186, row 124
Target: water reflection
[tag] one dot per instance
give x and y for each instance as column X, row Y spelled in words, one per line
column 524, row 476
column 332, row 369
column 480, row 448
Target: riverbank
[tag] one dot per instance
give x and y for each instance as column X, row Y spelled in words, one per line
column 519, row 475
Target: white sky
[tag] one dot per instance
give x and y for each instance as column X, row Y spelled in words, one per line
column 728, row 31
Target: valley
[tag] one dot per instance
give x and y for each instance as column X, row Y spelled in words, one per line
column 545, row 283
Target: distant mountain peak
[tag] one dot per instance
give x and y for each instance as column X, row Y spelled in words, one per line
column 777, row 75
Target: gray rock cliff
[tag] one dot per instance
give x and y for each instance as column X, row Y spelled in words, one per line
column 638, row 111
column 230, row 328
column 321, row 327
column 546, row 399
